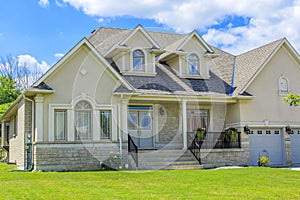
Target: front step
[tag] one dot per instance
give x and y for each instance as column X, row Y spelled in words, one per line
column 167, row 159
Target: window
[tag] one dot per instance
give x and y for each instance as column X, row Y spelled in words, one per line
column 197, row 119
column 60, row 125
column 105, row 123
column 83, row 120
column 193, row 64
column 283, row 84
column 138, row 60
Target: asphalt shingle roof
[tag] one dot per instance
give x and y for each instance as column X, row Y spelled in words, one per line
column 167, row 82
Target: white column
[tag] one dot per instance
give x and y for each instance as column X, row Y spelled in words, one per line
column 39, row 113
column 96, row 132
column 71, row 125
column 124, row 129
column 184, row 126
column 3, row 134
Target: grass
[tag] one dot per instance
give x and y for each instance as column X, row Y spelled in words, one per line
column 245, row 183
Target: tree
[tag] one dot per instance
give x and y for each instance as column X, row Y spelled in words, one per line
column 8, row 90
column 292, row 99
column 21, row 72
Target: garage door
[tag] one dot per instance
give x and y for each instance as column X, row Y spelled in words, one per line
column 266, row 142
column 295, row 145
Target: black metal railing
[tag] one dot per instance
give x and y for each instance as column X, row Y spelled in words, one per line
column 195, row 148
column 218, row 140
column 133, row 150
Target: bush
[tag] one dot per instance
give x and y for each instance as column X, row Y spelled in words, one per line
column 263, row 161
column 114, row 162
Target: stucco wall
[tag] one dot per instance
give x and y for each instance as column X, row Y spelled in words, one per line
column 82, row 76
column 267, row 103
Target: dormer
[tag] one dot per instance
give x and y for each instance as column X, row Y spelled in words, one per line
column 189, row 57
column 135, row 54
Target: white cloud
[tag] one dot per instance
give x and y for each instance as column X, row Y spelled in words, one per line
column 32, row 64
column 267, row 20
column 44, row 3
column 58, row 55
column 59, row 3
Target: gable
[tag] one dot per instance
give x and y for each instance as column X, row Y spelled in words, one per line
column 138, row 40
column 193, row 45
column 85, row 44
column 250, row 64
column 140, row 34
column 281, row 64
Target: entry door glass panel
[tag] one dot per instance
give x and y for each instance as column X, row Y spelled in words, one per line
column 140, row 126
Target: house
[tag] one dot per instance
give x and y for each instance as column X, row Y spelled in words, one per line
column 121, row 90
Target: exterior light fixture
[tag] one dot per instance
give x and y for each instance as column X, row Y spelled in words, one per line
column 246, row 129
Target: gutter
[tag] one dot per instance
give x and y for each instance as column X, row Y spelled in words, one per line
column 233, row 77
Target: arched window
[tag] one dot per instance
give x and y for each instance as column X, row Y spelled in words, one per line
column 83, row 120
column 283, row 84
column 138, row 60
column 193, row 64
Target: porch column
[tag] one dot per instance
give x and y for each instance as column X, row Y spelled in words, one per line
column 39, row 113
column 124, row 108
column 184, row 126
column 3, row 133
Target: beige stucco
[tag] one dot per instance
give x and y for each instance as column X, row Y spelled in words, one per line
column 267, row 103
column 82, row 77
column 124, row 59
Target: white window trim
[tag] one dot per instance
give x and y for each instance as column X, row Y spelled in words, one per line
column 131, row 59
column 188, row 64
column 95, row 135
column 281, row 93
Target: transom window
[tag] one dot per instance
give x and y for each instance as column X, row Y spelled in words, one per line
column 138, row 60
column 83, row 120
column 193, row 64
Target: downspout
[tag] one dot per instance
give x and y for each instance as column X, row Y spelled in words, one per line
column 233, row 76
column 32, row 130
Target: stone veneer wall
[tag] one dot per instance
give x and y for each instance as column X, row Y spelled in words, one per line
column 171, row 126
column 16, row 142
column 222, row 157
column 71, row 157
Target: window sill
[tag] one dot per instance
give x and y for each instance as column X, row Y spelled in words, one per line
column 194, row 76
column 137, row 73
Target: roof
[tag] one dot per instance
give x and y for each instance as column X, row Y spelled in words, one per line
column 248, row 64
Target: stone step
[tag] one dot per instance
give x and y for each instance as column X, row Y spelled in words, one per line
column 184, row 167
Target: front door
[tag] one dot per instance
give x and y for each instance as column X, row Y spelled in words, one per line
column 140, row 125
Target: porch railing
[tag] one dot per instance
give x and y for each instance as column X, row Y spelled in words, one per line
column 195, row 148
column 218, row 140
column 133, row 150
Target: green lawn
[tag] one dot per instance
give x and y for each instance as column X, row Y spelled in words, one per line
column 246, row 183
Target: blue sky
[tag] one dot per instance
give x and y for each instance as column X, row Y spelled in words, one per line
column 41, row 31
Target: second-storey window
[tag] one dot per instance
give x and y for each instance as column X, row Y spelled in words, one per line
column 193, row 64
column 138, row 60
column 83, row 120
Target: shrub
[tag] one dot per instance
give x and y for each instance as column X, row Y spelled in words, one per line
column 114, row 162
column 263, row 161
